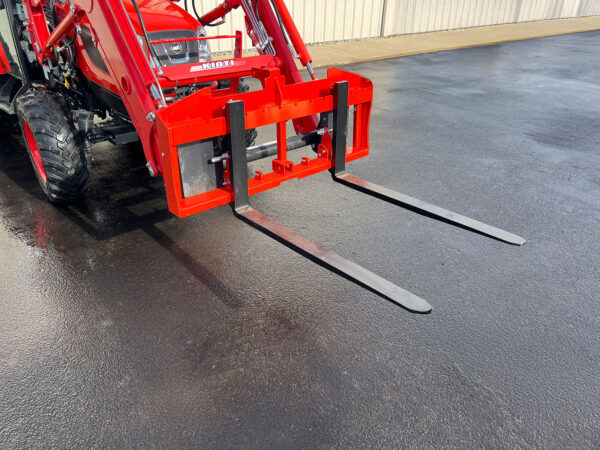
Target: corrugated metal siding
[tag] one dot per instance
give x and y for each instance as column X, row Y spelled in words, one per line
column 338, row 20
column 540, row 10
column 589, row 8
column 420, row 16
column 570, row 8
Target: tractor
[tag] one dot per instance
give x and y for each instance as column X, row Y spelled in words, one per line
column 74, row 73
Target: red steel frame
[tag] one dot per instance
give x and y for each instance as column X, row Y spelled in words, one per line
column 162, row 128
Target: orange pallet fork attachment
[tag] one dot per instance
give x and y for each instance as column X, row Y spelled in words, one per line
column 203, row 116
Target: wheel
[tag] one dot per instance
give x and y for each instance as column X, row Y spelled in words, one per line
column 58, row 160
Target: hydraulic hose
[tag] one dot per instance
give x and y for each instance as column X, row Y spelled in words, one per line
column 144, row 31
column 289, row 27
column 283, row 30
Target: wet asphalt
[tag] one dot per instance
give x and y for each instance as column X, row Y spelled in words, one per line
column 122, row 326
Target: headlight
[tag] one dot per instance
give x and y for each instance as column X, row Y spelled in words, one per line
column 203, row 46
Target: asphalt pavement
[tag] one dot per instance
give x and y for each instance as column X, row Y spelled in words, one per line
column 122, row 326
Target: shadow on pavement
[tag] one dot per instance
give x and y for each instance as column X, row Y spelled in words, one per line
column 122, row 198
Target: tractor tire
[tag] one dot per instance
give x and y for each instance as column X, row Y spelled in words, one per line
column 58, row 160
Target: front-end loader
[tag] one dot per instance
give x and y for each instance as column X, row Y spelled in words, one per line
column 78, row 72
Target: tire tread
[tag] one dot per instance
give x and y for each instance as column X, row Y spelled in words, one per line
column 64, row 161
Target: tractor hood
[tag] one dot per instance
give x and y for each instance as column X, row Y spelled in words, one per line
column 160, row 15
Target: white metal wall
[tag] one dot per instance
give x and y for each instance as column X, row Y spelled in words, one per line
column 419, row 16
column 338, row 20
column 589, row 8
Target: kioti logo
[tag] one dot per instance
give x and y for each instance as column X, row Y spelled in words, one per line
column 176, row 48
column 213, row 65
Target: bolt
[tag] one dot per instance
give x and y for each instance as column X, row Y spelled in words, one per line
column 150, row 169
column 151, row 117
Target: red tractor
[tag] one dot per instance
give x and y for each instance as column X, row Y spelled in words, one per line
column 79, row 72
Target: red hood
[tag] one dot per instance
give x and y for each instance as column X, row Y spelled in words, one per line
column 160, row 15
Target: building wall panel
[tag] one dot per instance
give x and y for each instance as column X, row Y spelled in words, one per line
column 338, row 20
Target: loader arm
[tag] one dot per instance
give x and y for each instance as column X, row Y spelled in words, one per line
column 128, row 65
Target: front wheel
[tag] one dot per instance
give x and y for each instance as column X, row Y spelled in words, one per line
column 58, row 160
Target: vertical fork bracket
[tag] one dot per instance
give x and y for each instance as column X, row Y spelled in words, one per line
column 339, row 174
column 239, row 159
column 302, row 245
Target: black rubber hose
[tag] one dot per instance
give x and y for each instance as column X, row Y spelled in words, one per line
column 202, row 22
column 75, row 34
column 283, row 30
column 144, row 31
column 196, row 13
